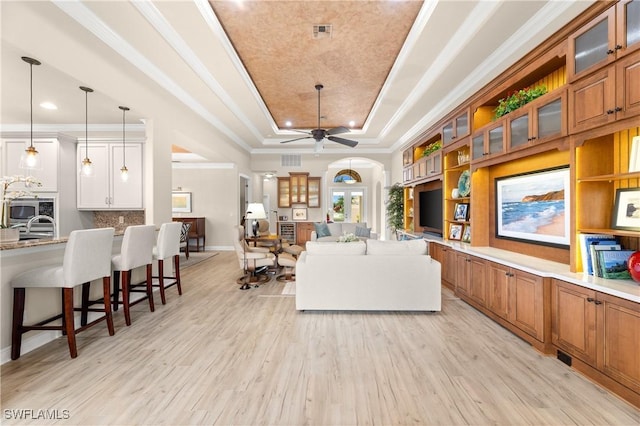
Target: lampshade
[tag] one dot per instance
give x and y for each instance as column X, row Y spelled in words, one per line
column 255, row 211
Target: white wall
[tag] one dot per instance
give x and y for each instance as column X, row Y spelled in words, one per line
column 215, row 195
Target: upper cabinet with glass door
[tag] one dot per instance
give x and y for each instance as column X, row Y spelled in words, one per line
column 457, row 128
column 611, row 35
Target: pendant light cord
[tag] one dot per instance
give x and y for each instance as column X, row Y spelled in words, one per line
column 31, row 103
column 86, row 124
column 124, row 155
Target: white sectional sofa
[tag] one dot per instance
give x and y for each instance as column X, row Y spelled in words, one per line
column 338, row 229
column 371, row 276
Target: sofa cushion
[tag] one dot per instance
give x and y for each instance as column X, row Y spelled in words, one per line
column 400, row 248
column 330, row 248
column 350, row 228
column 322, row 230
column 335, row 228
column 363, row 231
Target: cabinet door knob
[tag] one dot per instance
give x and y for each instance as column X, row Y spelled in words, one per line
column 618, row 109
column 618, row 47
column 598, row 302
column 610, row 111
column 609, row 52
column 590, row 299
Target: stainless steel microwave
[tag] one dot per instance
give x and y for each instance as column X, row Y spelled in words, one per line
column 23, row 209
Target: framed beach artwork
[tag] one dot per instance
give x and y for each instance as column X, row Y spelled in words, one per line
column 534, row 207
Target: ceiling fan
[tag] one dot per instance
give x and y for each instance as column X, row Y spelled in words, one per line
column 319, row 134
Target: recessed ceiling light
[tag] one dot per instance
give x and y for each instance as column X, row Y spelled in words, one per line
column 352, row 123
column 48, row 105
column 287, row 123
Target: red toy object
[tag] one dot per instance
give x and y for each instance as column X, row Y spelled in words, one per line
column 633, row 263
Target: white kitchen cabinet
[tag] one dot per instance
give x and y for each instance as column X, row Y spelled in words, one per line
column 104, row 190
column 47, row 170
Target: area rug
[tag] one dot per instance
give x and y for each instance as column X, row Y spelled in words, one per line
column 195, row 258
column 289, row 289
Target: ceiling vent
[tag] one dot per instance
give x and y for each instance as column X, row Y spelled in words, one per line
column 322, row 31
column 291, row 160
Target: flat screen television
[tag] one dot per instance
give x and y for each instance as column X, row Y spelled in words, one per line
column 431, row 211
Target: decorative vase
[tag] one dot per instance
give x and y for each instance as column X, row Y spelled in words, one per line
column 633, row 264
column 8, row 235
column 5, row 217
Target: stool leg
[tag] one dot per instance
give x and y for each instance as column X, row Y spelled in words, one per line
column 68, row 321
column 176, row 265
column 84, row 315
column 150, row 288
column 116, row 289
column 125, row 296
column 106, row 290
column 18, row 318
column 161, row 280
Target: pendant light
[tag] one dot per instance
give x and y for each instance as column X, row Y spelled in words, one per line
column 124, row 172
column 350, row 180
column 31, row 158
column 87, row 167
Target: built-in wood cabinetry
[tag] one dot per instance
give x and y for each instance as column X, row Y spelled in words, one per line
column 299, row 188
column 608, row 37
column 303, row 232
column 599, row 330
column 456, row 127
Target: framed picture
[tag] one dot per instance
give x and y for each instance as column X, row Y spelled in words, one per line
column 181, row 202
column 634, row 158
column 461, row 213
column 299, row 213
column 534, row 207
column 626, row 213
column 466, row 234
column 455, row 231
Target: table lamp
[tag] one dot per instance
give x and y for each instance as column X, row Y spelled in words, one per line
column 255, row 211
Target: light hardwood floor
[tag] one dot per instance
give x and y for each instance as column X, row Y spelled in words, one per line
column 218, row 355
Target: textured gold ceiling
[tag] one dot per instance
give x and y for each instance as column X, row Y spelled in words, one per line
column 274, row 40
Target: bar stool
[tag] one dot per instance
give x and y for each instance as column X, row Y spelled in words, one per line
column 168, row 246
column 87, row 257
column 136, row 251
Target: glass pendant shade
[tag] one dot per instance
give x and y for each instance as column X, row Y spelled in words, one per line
column 86, row 166
column 30, row 158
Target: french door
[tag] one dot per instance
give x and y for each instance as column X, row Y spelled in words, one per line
column 348, row 205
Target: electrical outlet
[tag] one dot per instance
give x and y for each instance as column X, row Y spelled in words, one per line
column 121, row 219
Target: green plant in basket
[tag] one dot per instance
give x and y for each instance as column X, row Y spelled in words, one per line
column 431, row 148
column 518, row 99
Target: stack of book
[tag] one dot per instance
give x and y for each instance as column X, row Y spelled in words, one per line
column 603, row 256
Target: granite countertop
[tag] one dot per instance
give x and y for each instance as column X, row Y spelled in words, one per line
column 40, row 242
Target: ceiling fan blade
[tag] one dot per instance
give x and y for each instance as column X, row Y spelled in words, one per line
column 343, row 141
column 337, row 130
column 296, row 139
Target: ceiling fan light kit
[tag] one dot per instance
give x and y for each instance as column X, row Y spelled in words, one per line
column 319, row 134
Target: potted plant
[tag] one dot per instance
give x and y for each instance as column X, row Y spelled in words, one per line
column 431, row 148
column 518, row 99
column 395, row 207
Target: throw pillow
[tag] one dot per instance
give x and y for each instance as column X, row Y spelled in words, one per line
column 322, row 230
column 361, row 231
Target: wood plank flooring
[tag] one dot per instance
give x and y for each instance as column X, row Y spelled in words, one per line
column 218, row 355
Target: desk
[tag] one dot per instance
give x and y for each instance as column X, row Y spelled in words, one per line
column 197, row 230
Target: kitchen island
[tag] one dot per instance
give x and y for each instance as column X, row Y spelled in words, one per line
column 41, row 303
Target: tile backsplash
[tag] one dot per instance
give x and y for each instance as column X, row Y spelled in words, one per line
column 105, row 219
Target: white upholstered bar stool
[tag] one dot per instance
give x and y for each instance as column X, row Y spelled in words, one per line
column 87, row 257
column 136, row 251
column 168, row 247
